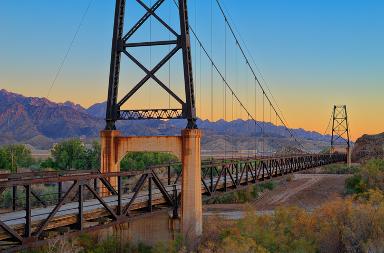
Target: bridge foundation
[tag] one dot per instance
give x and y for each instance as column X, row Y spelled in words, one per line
column 186, row 147
column 191, row 200
column 108, row 140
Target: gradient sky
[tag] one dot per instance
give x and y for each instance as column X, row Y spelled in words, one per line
column 312, row 54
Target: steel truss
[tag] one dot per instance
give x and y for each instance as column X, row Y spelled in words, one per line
column 154, row 189
column 340, row 127
column 121, row 44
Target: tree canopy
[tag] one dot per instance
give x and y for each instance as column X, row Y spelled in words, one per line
column 15, row 156
column 73, row 154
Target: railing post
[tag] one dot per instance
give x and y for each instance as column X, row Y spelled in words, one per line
column 27, row 230
column 176, row 203
column 95, row 185
column 119, row 194
column 150, row 193
column 14, row 197
column 225, row 177
column 81, row 208
column 169, row 174
column 263, row 168
column 59, row 191
column 246, row 173
column 211, row 168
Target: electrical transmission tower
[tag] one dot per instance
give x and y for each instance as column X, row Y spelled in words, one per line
column 121, row 45
column 340, row 129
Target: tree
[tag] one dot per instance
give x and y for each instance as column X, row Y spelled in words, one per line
column 48, row 164
column 73, row 154
column 141, row 160
column 69, row 154
column 15, row 156
column 4, row 161
column 92, row 156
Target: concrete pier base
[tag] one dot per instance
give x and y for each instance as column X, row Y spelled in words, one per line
column 349, row 157
column 191, row 200
column 108, row 157
column 186, row 147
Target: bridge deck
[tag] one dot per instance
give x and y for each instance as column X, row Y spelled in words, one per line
column 81, row 214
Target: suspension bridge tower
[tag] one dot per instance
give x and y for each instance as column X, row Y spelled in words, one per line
column 340, row 131
column 186, row 146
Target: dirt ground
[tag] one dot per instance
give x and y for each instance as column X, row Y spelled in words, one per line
column 303, row 190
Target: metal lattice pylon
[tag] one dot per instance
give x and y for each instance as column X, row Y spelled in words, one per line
column 340, row 128
column 120, row 45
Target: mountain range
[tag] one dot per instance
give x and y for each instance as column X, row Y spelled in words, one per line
column 41, row 122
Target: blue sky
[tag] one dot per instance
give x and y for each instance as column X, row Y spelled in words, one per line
column 313, row 53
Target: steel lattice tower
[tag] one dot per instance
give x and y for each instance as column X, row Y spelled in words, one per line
column 340, row 127
column 121, row 44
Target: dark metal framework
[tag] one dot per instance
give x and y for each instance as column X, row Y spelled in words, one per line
column 340, row 127
column 121, row 44
column 148, row 191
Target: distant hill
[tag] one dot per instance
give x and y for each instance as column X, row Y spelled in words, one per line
column 368, row 147
column 40, row 123
column 29, row 119
column 97, row 110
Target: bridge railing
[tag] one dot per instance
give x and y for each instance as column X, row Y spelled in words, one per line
column 219, row 177
column 77, row 203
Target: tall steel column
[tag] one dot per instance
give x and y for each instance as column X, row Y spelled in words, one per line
column 121, row 44
column 340, row 128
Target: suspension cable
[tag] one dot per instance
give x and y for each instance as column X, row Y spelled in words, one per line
column 247, row 63
column 253, row 72
column 61, row 65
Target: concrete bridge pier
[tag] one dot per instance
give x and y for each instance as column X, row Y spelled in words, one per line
column 349, row 157
column 186, row 147
column 191, row 200
column 109, row 154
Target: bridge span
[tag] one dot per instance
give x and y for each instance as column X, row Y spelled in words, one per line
column 80, row 204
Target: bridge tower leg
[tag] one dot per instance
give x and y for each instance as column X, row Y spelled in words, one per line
column 340, row 131
column 187, row 145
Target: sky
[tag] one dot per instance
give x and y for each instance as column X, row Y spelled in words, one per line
column 311, row 54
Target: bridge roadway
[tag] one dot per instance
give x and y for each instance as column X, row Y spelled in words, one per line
column 83, row 207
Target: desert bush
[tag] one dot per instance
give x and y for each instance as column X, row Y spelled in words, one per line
column 243, row 196
column 369, row 176
column 355, row 224
column 339, row 168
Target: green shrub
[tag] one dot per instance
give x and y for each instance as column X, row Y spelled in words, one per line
column 243, row 196
column 339, row 168
column 142, row 160
column 369, row 176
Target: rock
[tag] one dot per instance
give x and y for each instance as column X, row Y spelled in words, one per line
column 368, row 147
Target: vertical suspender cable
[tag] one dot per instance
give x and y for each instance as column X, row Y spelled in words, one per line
column 255, row 119
column 169, row 61
column 225, row 88
column 254, row 74
column 212, row 63
column 263, row 124
column 201, row 76
column 195, row 48
column 150, row 56
column 270, row 121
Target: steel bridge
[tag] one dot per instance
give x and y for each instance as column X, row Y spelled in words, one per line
column 76, row 204
column 81, row 201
